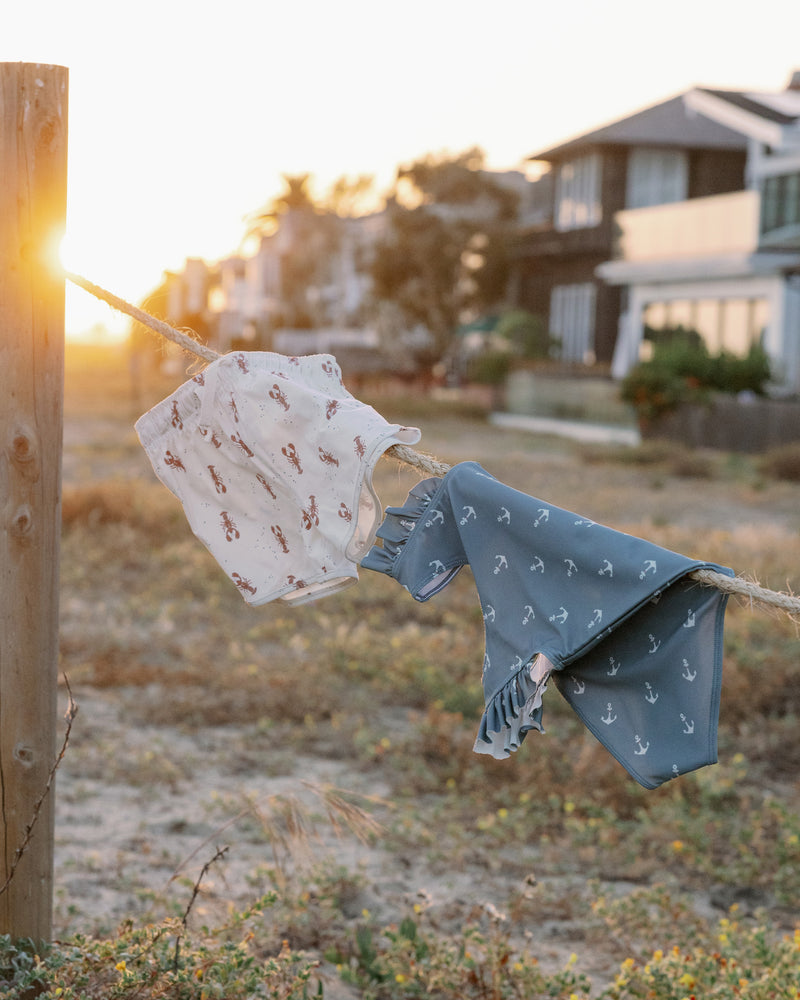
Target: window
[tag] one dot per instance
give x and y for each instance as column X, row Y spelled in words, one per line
column 572, row 321
column 730, row 324
column 780, row 202
column 578, row 193
column 656, row 177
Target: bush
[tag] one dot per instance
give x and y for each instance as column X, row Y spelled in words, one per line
column 490, row 367
column 682, row 371
column 527, row 333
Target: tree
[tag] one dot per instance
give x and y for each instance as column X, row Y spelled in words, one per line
column 444, row 258
column 308, row 239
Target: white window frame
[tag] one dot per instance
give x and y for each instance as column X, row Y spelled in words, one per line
column 656, row 177
column 578, row 193
column 572, row 321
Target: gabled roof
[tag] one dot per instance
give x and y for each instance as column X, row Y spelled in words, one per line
column 762, row 105
column 770, row 118
column 667, row 124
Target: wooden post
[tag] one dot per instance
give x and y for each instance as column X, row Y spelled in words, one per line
column 33, row 195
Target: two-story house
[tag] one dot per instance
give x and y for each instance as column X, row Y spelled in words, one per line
column 683, row 213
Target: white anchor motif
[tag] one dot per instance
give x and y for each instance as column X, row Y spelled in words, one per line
column 438, row 566
column 613, row 667
column 688, row 727
column 649, row 566
column 651, row 696
column 529, row 614
column 598, row 617
column 504, row 517
column 688, row 675
column 690, row 619
column 560, row 616
column 571, row 567
column 642, row 749
column 608, row 718
column 517, row 664
column 437, row 517
column 537, row 565
column 675, row 770
column 486, row 662
column 607, row 569
column 544, row 515
column 584, row 522
column 656, row 597
column 502, row 563
column 580, row 686
column 469, row 514
column 489, row 614
column 655, row 643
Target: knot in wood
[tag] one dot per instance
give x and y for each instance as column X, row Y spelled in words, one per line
column 24, row 755
column 22, row 521
column 23, row 447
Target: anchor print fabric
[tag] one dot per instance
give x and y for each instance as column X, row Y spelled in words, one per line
column 631, row 642
column 272, row 459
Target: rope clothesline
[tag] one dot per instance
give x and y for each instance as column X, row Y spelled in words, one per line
column 754, row 593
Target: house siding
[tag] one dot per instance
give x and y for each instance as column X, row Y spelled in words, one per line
column 713, row 171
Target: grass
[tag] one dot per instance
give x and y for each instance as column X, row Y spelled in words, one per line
column 551, row 874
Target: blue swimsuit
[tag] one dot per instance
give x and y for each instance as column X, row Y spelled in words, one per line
column 635, row 646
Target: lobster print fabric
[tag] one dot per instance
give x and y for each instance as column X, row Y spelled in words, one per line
column 272, row 459
column 632, row 643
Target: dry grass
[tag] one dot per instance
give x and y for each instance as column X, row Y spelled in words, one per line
column 391, row 689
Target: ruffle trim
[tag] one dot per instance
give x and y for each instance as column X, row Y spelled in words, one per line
column 397, row 527
column 513, row 711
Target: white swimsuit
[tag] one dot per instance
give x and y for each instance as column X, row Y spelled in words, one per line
column 272, row 459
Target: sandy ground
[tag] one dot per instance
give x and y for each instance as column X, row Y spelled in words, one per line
column 127, row 837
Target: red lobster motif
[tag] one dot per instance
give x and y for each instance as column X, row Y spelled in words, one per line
column 219, row 483
column 243, row 584
column 229, row 526
column 241, row 361
column 290, row 452
column 234, row 409
column 266, row 485
column 328, row 368
column 279, row 396
column 214, row 439
column 280, row 537
column 360, row 447
column 176, row 417
column 237, row 439
column 345, row 513
column 331, row 408
column 311, row 514
column 327, row 457
column 174, row 462
column 199, row 378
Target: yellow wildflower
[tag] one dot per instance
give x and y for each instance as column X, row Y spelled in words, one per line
column 121, row 966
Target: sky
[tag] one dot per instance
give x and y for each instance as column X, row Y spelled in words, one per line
column 183, row 116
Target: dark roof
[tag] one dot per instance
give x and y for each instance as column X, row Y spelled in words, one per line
column 667, row 124
column 740, row 100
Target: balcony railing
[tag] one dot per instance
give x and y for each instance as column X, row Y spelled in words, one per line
column 700, row 227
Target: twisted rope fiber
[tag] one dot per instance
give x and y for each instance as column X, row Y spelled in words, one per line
column 427, row 463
